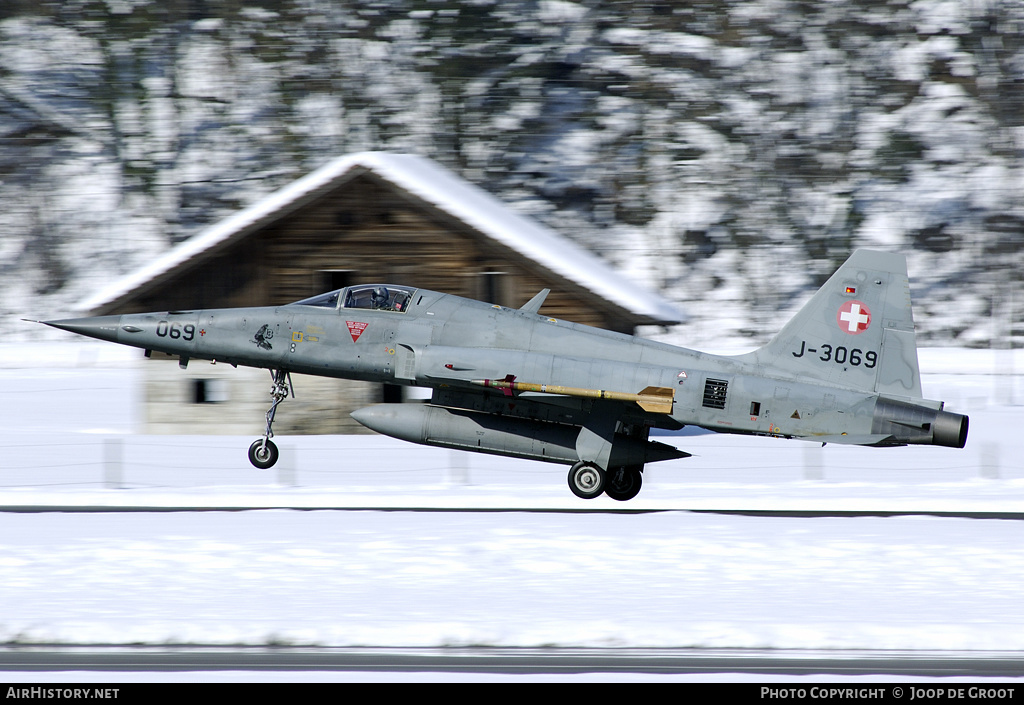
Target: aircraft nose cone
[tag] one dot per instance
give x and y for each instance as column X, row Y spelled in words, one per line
column 101, row 327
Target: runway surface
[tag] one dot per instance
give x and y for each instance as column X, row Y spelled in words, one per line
column 30, row 661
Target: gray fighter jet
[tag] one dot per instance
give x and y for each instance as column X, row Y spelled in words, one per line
column 515, row 382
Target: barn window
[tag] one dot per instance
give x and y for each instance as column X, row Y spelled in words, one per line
column 331, row 279
column 493, row 288
column 209, row 391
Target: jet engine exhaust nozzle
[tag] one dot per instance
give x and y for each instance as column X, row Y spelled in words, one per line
column 919, row 425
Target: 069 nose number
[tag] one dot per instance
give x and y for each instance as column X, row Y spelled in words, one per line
column 175, row 330
column 840, row 354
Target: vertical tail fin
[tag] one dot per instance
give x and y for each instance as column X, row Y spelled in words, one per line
column 857, row 331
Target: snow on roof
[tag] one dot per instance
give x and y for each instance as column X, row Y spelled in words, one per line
column 441, row 188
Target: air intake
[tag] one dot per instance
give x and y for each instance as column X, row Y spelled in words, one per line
column 714, row 393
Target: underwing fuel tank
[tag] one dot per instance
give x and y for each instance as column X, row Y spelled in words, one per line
column 501, row 435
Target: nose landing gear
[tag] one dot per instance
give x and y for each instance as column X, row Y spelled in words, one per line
column 263, row 452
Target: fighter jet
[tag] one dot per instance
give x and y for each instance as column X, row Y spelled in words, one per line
column 515, row 382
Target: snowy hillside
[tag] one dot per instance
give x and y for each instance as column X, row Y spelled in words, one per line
column 728, row 154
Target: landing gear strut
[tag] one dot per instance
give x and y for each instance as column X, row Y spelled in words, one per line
column 263, row 453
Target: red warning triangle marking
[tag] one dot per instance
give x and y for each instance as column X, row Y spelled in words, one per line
column 355, row 329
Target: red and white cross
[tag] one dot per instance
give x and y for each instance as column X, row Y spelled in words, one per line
column 854, row 317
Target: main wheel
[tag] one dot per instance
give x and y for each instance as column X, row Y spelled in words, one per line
column 585, row 480
column 263, row 456
column 624, row 483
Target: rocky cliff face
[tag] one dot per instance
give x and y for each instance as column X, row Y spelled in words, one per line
column 727, row 154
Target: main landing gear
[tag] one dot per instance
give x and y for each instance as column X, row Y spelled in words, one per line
column 587, row 481
column 624, row 482
column 263, row 452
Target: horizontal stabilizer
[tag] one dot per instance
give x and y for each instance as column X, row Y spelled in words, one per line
column 657, row 452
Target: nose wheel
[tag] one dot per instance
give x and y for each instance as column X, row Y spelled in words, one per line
column 263, row 453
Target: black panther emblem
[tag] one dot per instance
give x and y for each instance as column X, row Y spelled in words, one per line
column 263, row 336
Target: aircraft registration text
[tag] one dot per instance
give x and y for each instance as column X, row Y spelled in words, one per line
column 840, row 354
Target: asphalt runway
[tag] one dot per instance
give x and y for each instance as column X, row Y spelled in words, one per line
column 506, row 661
column 803, row 513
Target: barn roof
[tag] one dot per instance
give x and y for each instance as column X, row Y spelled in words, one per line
column 434, row 185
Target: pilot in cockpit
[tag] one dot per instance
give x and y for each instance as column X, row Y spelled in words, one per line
column 379, row 298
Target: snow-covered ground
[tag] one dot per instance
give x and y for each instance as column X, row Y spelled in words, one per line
column 515, row 578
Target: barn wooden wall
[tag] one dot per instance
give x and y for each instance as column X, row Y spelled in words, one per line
column 373, row 233
column 365, row 231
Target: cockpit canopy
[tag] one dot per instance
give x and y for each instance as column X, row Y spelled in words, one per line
column 379, row 297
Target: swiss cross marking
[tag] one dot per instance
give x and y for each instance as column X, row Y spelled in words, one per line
column 355, row 329
column 854, row 317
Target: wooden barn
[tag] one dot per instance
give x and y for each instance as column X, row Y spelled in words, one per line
column 367, row 217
